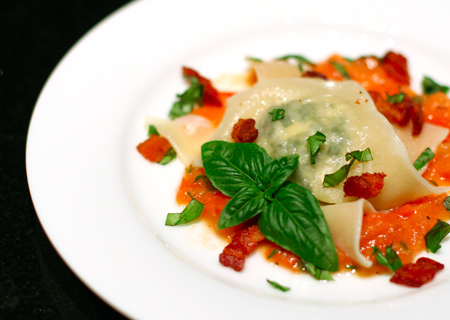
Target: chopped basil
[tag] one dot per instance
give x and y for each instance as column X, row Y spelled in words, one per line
column 435, row 235
column 404, row 246
column 278, row 286
column 429, row 86
column 361, row 156
column 333, row 179
column 254, row 59
column 152, row 130
column 277, row 114
column 423, row 159
column 272, row 253
column 314, row 142
column 168, row 157
column 317, row 273
column 298, row 58
column 396, row 98
column 288, row 214
column 187, row 100
column 191, row 212
column 446, row 203
column 340, row 68
column 389, row 260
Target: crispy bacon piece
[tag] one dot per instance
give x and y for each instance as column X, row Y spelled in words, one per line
column 417, row 274
column 399, row 113
column 244, row 131
column 154, row 148
column 242, row 244
column 396, row 67
column 314, row 74
column 367, row 185
column 211, row 96
column 417, row 118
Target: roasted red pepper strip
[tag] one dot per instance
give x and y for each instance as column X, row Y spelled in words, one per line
column 417, row 118
column 367, row 185
column 417, row 274
column 396, row 67
column 314, row 74
column 211, row 96
column 244, row 131
column 154, row 148
column 242, row 244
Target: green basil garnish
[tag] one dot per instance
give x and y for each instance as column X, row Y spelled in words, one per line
column 301, row 60
column 423, row 159
column 272, row 253
column 396, row 98
column 187, row 100
column 191, row 212
column 278, row 286
column 288, row 214
column 435, row 235
column 333, row 179
column 253, row 59
column 152, row 130
column 277, row 114
column 446, row 203
column 314, row 142
column 429, row 86
column 389, row 260
column 340, row 68
column 317, row 273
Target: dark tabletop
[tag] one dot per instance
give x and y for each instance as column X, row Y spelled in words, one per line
column 34, row 282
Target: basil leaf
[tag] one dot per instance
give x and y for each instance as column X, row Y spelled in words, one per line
column 254, row 59
column 423, row 159
column 333, row 179
column 316, row 272
column 191, row 212
column 314, row 142
column 245, row 204
column 231, row 166
column 168, row 157
column 298, row 58
column 389, row 260
column 278, row 286
column 152, row 130
column 435, row 235
column 187, row 100
column 429, row 86
column 340, row 68
column 275, row 173
column 446, row 203
column 396, row 98
column 277, row 114
column 272, row 253
column 296, row 223
column 361, row 156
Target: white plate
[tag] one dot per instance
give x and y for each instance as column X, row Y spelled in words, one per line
column 104, row 207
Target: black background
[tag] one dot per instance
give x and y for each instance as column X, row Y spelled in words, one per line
column 34, row 282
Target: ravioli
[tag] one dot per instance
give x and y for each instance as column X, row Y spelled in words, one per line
column 345, row 113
